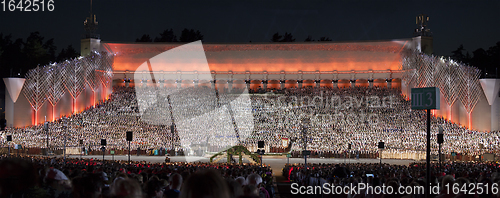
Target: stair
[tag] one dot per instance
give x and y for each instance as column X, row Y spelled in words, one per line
column 245, row 156
column 218, row 158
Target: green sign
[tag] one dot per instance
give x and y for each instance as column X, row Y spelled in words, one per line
column 425, row 98
column 112, row 152
column 453, row 154
column 288, row 155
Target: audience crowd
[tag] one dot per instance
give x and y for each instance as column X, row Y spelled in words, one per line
column 465, row 176
column 89, row 178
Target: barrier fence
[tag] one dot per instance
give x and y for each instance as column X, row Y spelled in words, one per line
column 80, row 151
column 403, row 155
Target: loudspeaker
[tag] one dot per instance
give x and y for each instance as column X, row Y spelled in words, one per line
column 129, row 135
column 261, row 144
column 81, row 142
column 3, row 124
column 103, row 142
column 349, row 146
column 440, row 138
column 9, row 138
column 381, row 145
column 172, row 128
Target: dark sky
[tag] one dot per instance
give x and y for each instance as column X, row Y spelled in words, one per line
column 474, row 23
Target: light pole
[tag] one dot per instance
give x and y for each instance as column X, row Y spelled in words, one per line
column 66, row 132
column 129, row 139
column 260, row 152
column 103, row 148
column 305, row 121
column 440, row 140
column 83, row 148
column 381, row 146
column 172, row 131
column 481, row 146
column 46, row 129
column 260, row 145
column 9, row 139
column 349, row 150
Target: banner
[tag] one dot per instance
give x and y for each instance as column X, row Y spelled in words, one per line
column 284, row 142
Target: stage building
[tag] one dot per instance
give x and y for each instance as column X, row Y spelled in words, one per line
column 266, row 66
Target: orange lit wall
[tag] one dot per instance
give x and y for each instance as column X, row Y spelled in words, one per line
column 255, row 86
column 241, row 85
column 326, row 83
column 274, row 85
column 271, row 57
column 396, row 83
column 343, row 83
column 379, row 83
column 362, row 83
column 291, row 84
column 308, row 85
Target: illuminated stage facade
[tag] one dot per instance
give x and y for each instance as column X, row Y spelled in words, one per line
column 272, row 66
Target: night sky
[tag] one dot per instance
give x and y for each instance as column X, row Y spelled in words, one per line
column 473, row 23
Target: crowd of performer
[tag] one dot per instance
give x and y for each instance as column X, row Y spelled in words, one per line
column 212, row 120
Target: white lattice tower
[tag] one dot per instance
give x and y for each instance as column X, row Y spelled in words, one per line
column 453, row 85
column 91, row 63
column 74, row 79
column 425, row 71
column 446, row 82
column 106, row 68
column 414, row 67
column 470, row 88
column 33, row 89
column 455, row 80
column 408, row 65
column 54, row 84
column 442, row 74
column 438, row 67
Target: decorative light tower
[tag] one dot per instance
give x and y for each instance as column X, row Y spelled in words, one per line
column 91, row 41
column 422, row 37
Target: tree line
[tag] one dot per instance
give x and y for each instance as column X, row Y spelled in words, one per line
column 190, row 35
column 18, row 55
column 187, row 35
column 486, row 60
